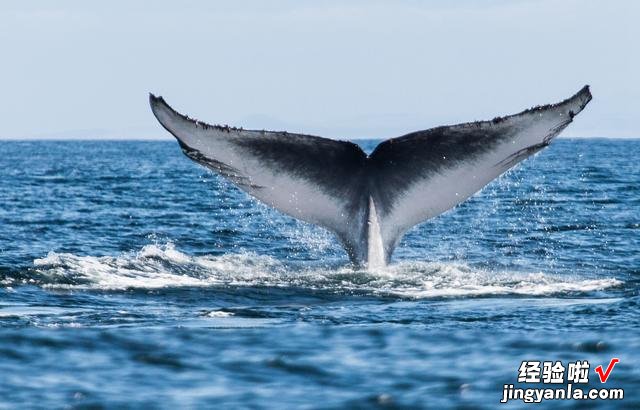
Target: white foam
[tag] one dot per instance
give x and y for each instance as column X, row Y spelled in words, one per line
column 219, row 313
column 164, row 266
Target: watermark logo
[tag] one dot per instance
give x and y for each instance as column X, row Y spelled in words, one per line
column 605, row 375
column 556, row 373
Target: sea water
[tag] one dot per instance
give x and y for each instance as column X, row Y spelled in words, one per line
column 131, row 277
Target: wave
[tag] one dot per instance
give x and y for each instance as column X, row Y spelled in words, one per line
column 164, row 266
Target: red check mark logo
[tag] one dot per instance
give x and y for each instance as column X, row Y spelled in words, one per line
column 605, row 375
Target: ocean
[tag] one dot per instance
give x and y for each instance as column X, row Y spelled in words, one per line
column 130, row 277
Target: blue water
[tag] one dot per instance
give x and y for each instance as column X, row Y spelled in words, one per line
column 129, row 276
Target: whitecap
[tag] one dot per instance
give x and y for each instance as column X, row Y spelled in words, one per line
column 162, row 266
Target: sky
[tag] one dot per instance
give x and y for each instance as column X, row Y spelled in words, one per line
column 341, row 69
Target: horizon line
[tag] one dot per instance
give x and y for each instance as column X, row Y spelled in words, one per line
column 159, row 139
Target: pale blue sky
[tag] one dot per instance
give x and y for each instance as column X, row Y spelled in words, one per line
column 340, row 69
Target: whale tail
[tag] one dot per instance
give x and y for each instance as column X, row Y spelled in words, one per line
column 369, row 201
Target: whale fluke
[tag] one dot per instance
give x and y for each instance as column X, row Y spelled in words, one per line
column 369, row 201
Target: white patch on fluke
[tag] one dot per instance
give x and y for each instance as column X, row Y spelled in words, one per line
column 375, row 251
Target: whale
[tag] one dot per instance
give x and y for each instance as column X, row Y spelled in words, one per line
column 369, row 201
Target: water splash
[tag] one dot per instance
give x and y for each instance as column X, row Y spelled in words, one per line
column 163, row 266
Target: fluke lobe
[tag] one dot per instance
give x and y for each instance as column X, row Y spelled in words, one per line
column 369, row 201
